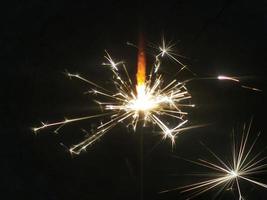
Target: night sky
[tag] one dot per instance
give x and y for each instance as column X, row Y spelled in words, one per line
column 41, row 39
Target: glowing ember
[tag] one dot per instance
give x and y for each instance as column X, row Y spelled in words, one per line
column 141, row 64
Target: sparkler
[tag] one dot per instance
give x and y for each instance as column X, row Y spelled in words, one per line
column 151, row 100
column 227, row 175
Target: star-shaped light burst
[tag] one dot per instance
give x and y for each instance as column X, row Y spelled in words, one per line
column 224, row 175
column 152, row 99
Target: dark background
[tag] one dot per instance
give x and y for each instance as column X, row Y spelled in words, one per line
column 40, row 39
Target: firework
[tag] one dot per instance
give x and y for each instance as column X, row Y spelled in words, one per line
column 228, row 175
column 150, row 100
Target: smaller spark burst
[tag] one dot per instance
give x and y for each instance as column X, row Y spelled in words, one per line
column 152, row 100
column 227, row 175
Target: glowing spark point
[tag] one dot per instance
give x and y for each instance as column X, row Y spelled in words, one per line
column 244, row 164
column 234, row 173
column 151, row 100
column 166, row 49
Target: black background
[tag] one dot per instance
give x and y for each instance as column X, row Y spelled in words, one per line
column 40, row 39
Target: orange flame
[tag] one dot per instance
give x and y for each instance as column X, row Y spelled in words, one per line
column 141, row 64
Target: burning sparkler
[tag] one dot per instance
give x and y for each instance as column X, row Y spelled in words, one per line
column 150, row 100
column 229, row 174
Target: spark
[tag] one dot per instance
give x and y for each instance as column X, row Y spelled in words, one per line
column 243, row 166
column 167, row 49
column 152, row 100
column 229, row 78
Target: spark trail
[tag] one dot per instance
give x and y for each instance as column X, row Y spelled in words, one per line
column 229, row 78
